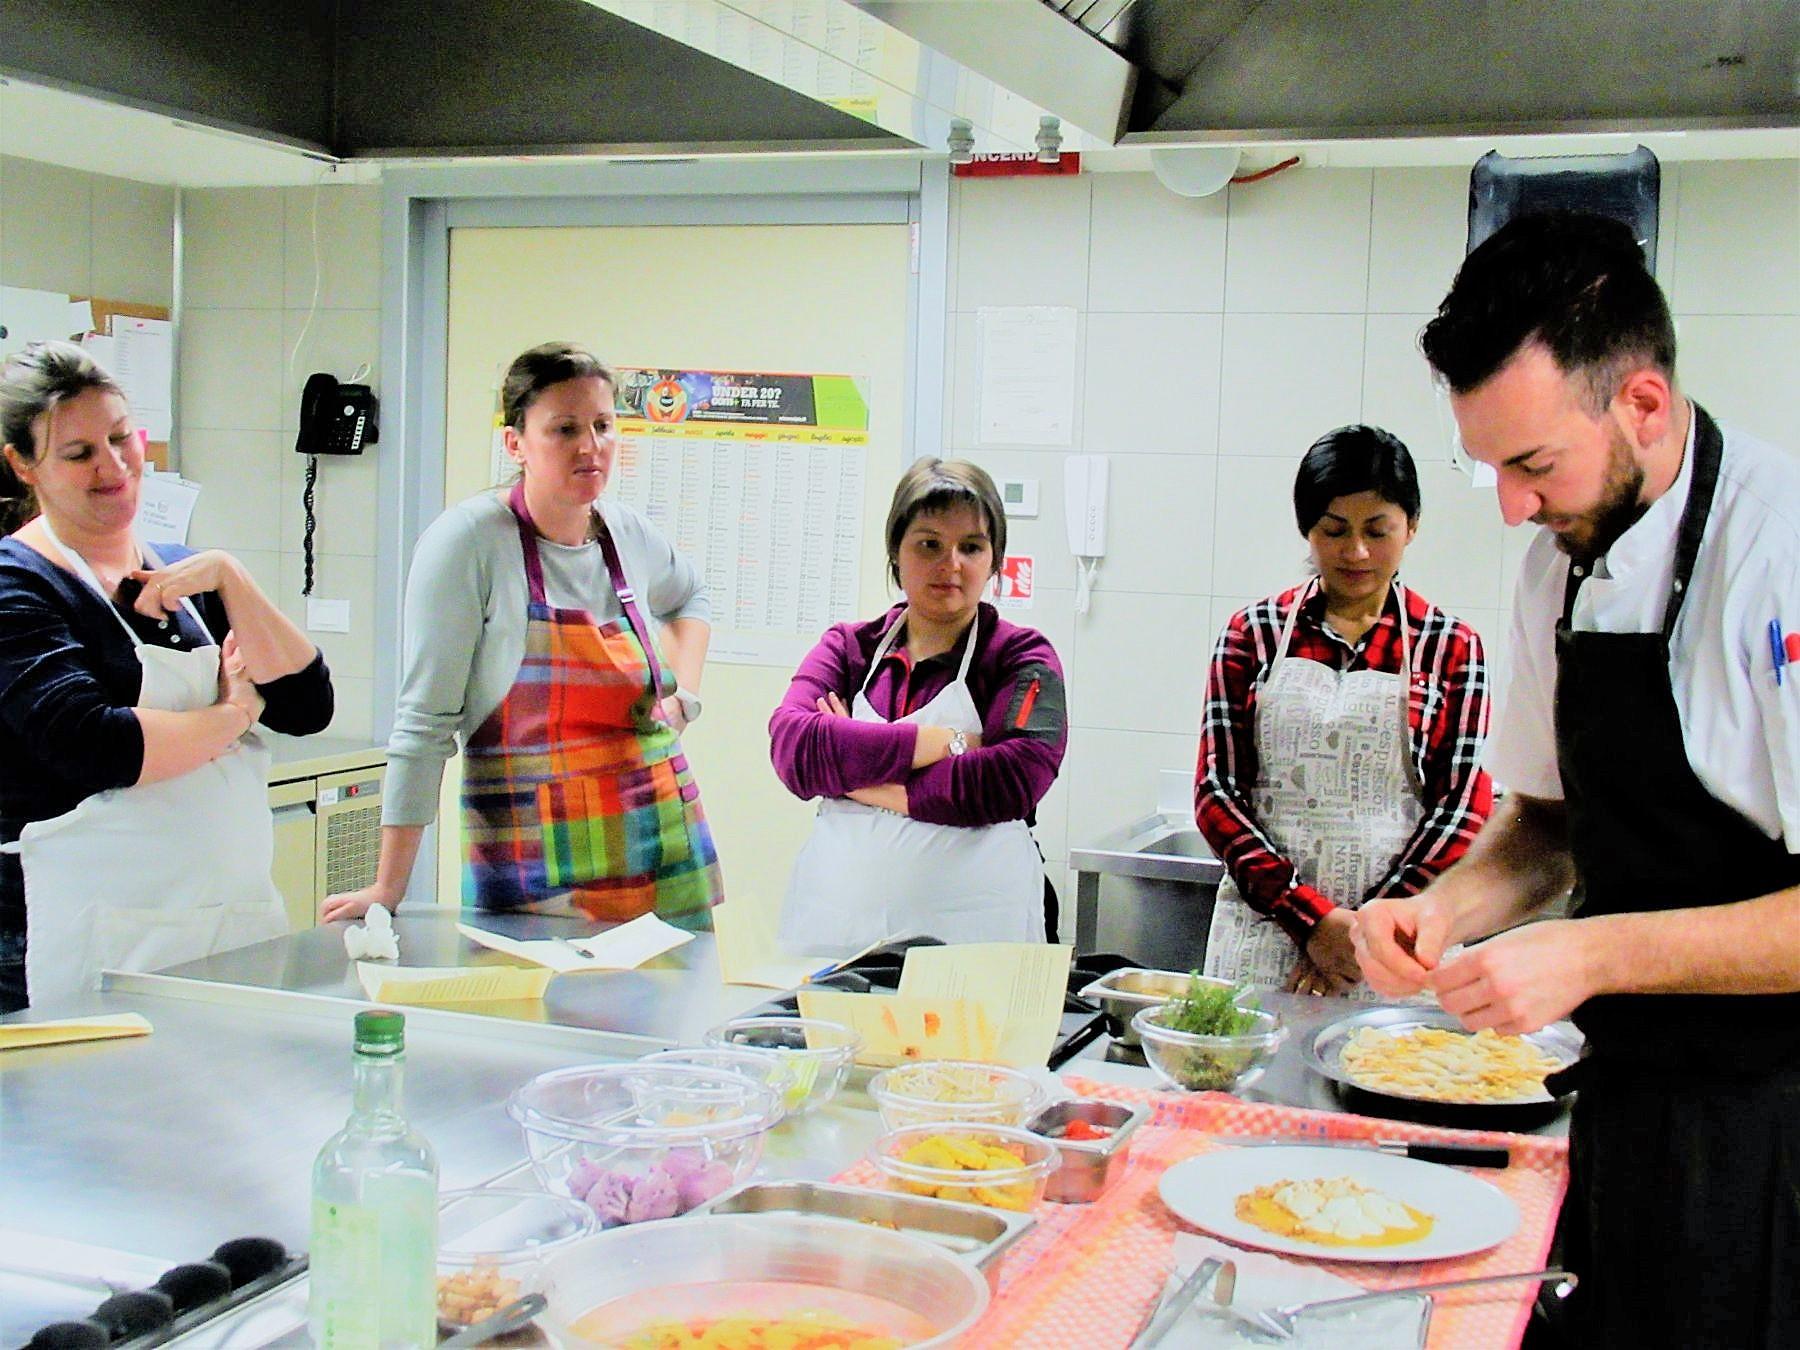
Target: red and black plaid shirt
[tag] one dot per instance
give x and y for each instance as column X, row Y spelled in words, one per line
column 1448, row 715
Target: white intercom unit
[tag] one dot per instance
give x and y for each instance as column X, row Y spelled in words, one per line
column 1084, row 508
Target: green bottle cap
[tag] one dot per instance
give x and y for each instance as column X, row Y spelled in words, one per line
column 380, row 1033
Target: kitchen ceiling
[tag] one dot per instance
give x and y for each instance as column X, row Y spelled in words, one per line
column 382, row 79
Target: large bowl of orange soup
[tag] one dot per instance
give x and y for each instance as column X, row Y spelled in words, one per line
column 756, row 1282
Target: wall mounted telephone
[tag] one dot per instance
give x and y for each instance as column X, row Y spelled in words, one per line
column 1084, row 509
column 336, row 419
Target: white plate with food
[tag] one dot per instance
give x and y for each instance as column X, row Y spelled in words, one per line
column 1424, row 1056
column 1338, row 1204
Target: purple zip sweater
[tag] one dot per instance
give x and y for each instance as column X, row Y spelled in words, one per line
column 1015, row 680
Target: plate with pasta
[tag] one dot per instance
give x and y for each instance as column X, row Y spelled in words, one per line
column 1424, row 1057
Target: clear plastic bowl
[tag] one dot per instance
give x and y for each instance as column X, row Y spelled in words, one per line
column 762, row 1068
column 1208, row 1063
column 643, row 1140
column 491, row 1243
column 937, row 1160
column 773, row 1264
column 953, row 1089
column 808, row 1055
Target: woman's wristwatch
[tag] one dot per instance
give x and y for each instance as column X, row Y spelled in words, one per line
column 959, row 744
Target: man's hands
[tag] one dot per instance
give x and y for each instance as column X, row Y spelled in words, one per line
column 1514, row 983
column 1399, row 940
column 1521, row 980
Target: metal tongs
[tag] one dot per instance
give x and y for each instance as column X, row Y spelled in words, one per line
column 1279, row 1322
column 1169, row 1311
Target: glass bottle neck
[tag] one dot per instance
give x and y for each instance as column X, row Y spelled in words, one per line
column 376, row 1093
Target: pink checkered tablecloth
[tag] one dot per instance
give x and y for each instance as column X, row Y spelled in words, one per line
column 1085, row 1275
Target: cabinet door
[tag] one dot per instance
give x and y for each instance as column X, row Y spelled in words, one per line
column 296, row 867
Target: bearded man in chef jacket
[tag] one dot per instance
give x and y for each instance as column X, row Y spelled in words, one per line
column 1650, row 742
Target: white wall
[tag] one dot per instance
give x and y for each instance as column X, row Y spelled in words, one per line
column 1220, row 337
column 250, row 335
column 85, row 233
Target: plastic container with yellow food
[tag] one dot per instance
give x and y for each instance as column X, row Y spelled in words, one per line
column 996, row 1166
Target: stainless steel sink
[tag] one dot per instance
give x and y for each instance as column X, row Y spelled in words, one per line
column 1159, row 908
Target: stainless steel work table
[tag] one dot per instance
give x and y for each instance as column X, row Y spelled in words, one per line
column 165, row 1145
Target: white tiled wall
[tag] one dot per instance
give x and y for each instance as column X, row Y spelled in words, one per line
column 1220, row 337
column 251, row 334
column 85, row 233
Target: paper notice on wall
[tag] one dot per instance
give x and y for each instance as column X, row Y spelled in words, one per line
column 143, row 365
column 34, row 316
column 166, row 507
column 1026, row 375
column 758, row 478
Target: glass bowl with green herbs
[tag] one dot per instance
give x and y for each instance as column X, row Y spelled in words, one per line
column 1208, row 1040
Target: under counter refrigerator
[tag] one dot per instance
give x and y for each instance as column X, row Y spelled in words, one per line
column 326, row 798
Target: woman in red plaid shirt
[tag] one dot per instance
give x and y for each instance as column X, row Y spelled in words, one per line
column 1340, row 747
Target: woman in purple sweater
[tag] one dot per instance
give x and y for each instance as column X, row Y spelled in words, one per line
column 930, row 734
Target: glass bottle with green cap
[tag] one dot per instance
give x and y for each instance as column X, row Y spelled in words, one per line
column 374, row 1211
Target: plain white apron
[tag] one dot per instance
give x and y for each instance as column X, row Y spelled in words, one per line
column 866, row 874
column 1336, row 793
column 143, row 877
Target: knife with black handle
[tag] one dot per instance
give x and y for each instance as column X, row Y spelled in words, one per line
column 1455, row 1155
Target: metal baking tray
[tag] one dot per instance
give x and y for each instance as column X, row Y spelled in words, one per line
column 1323, row 1052
column 1123, row 992
column 1089, row 1166
column 980, row 1234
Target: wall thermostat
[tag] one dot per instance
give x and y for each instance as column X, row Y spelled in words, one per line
column 1019, row 496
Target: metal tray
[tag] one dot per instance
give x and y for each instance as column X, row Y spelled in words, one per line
column 1323, row 1052
column 981, row 1235
column 1123, row 992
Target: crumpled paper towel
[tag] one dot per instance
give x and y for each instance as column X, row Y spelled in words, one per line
column 374, row 938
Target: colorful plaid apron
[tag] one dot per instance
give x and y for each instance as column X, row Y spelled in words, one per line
column 575, row 788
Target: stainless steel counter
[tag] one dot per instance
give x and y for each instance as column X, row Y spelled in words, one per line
column 671, row 1000
column 165, row 1145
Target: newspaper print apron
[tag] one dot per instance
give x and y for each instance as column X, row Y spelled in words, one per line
column 865, row 874
column 575, row 790
column 1336, row 793
column 153, row 875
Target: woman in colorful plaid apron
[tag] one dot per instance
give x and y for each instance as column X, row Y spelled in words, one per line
column 527, row 648
column 576, row 783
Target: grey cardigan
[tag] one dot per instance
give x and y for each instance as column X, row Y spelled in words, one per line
column 466, row 602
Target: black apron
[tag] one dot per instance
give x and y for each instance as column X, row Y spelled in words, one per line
column 1683, row 1214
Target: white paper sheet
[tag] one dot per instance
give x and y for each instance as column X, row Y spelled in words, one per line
column 166, row 507
column 33, row 316
column 623, row 948
column 1026, row 375
column 142, row 363
column 774, row 526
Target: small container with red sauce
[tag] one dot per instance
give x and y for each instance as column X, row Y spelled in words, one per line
column 1094, row 1139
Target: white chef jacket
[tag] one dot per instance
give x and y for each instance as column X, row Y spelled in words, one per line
column 1742, row 729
